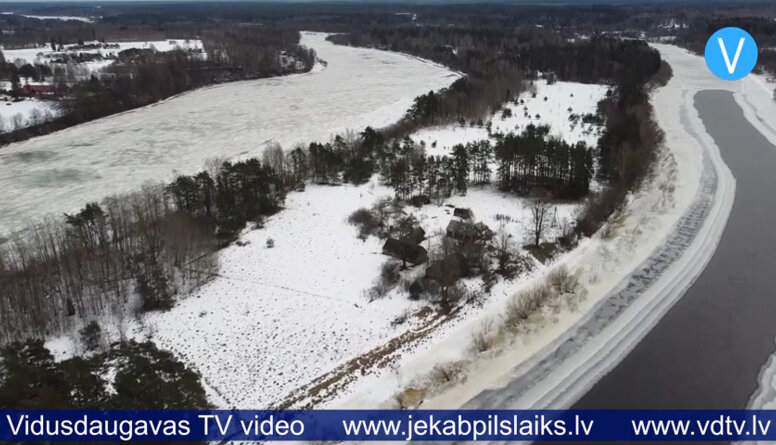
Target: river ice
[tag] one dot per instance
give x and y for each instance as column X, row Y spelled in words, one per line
column 62, row 171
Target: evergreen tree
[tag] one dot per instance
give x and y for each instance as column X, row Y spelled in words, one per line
column 460, row 168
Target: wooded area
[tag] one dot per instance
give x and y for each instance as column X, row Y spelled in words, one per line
column 132, row 253
column 495, row 57
column 124, row 375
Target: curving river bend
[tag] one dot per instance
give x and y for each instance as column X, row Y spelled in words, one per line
column 63, row 171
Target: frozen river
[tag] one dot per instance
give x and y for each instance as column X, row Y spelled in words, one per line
column 708, row 350
column 62, row 171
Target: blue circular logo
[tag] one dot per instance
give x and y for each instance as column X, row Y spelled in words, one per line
column 731, row 53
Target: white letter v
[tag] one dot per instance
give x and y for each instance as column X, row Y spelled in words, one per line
column 731, row 67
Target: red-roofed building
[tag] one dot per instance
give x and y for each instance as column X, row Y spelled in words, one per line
column 37, row 90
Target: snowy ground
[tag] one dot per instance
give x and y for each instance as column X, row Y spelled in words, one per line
column 273, row 319
column 561, row 97
column 277, row 318
column 60, row 172
column 24, row 113
column 291, row 313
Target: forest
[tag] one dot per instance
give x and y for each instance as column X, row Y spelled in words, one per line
column 31, row 378
column 123, row 375
column 524, row 163
column 149, row 245
column 626, row 149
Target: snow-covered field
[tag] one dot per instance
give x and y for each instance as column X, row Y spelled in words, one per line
column 43, row 54
column 24, row 113
column 276, row 318
column 292, row 313
column 54, row 17
column 579, row 98
column 60, row 172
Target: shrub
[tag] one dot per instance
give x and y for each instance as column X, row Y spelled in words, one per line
column 91, row 336
column 489, row 277
column 388, row 279
column 154, row 290
column 270, row 243
column 446, row 372
column 389, row 273
column 562, row 280
column 453, row 295
column 484, row 339
column 525, row 303
column 366, row 222
column 401, row 318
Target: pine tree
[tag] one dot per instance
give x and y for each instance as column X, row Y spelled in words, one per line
column 461, row 168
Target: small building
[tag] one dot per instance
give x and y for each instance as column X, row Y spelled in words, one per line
column 462, row 213
column 406, row 251
column 37, row 90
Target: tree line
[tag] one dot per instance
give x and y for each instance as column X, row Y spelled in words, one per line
column 141, row 77
column 534, row 160
column 125, row 375
column 523, row 163
column 509, row 53
column 134, row 251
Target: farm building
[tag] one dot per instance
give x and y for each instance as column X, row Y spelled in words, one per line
column 462, row 213
column 37, row 90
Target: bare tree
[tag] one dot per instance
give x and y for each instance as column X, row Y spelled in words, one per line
column 17, row 122
column 505, row 251
column 36, row 117
column 273, row 156
column 540, row 209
